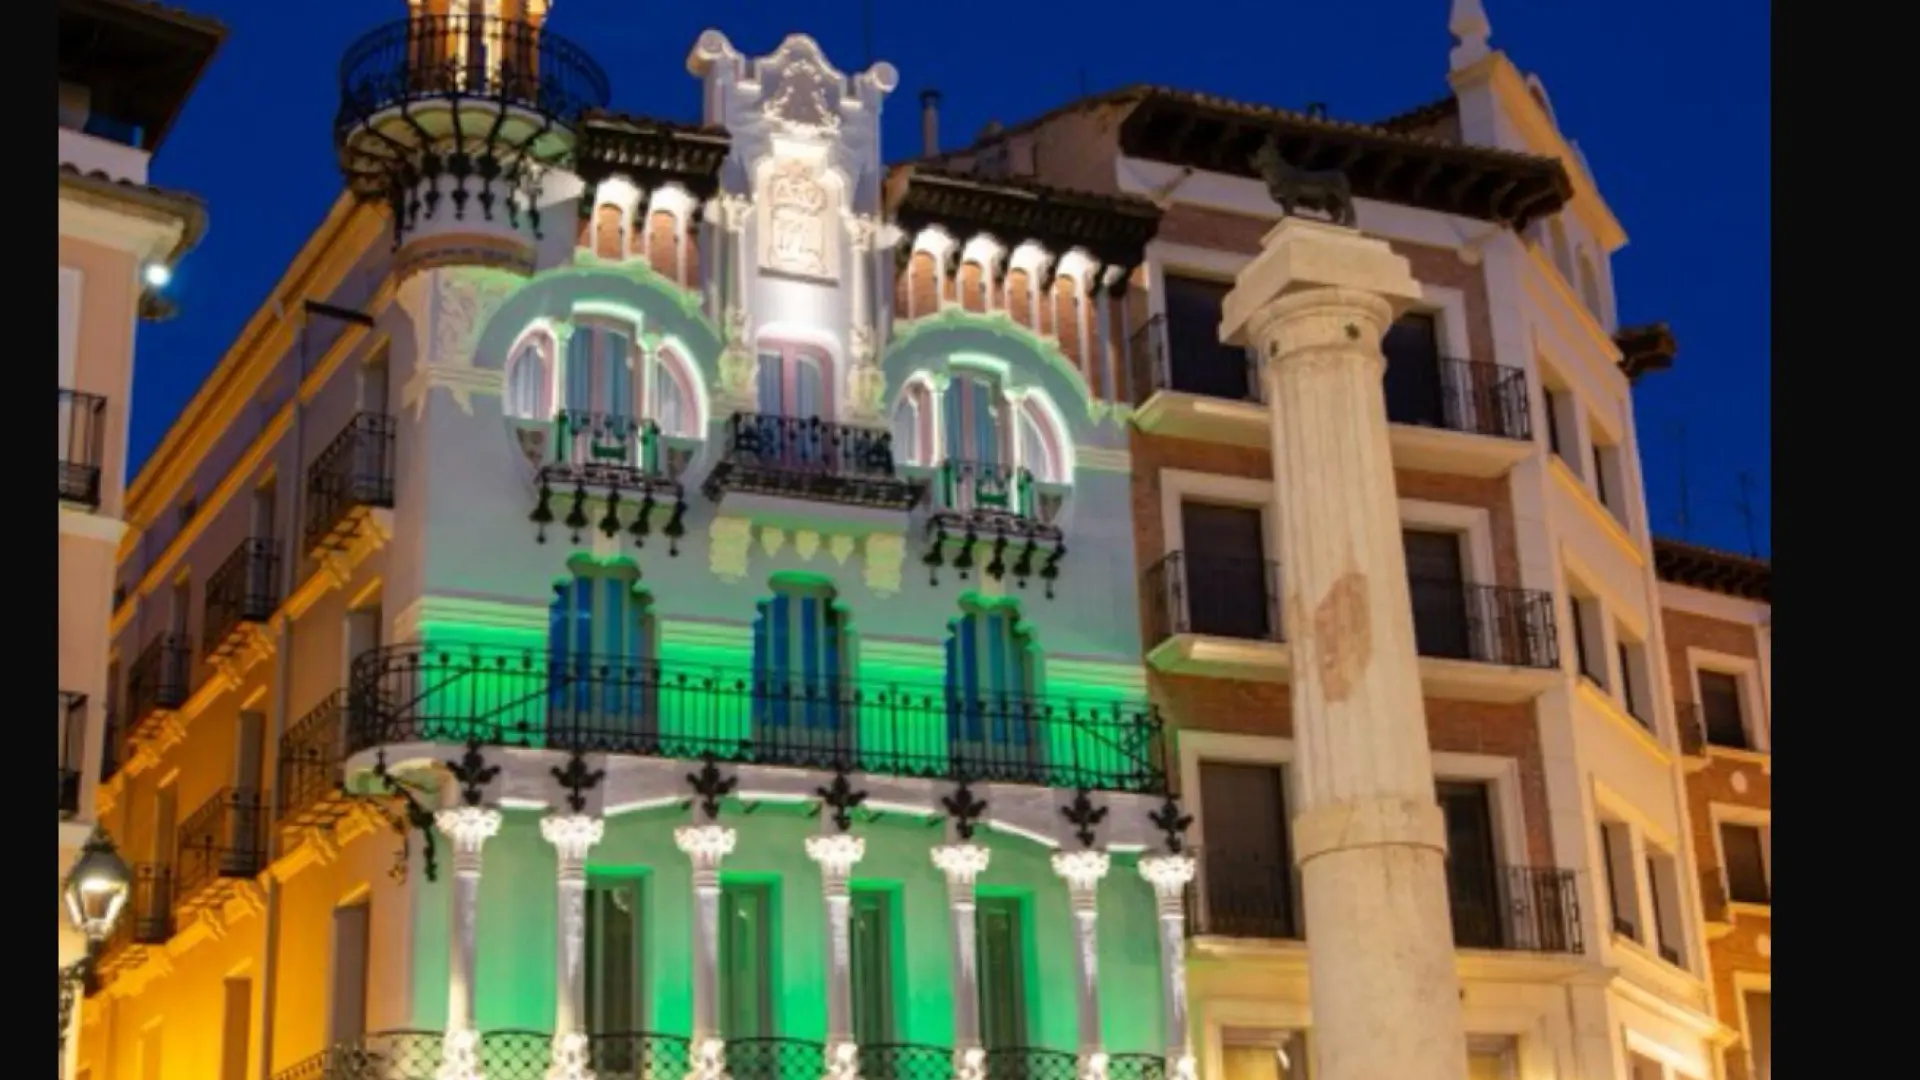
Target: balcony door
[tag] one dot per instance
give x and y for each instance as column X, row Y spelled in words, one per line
column 746, row 960
column 793, row 382
column 1225, row 570
column 614, row 1004
column 1198, row 362
column 994, row 726
column 800, row 685
column 1412, row 348
column 1000, row 939
column 1437, row 581
column 1249, row 867
column 1473, row 865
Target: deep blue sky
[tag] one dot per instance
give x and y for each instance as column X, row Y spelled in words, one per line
column 1670, row 102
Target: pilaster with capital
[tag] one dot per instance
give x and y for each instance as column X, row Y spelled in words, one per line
column 837, row 852
column 469, row 828
column 571, row 835
column 706, row 845
column 737, row 360
column 963, row 863
column 1169, row 875
column 1082, row 871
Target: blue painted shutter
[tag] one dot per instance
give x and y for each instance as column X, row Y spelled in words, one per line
column 580, row 369
column 772, row 380
column 809, row 393
column 582, row 602
column 613, row 353
column 559, row 620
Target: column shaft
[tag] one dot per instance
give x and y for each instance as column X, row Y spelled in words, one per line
column 962, row 863
column 837, row 853
column 1083, row 871
column 469, row 827
column 1169, row 875
column 571, row 836
column 706, row 845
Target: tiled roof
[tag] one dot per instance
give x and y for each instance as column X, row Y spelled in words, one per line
column 1718, row 571
column 1421, row 116
column 1114, row 229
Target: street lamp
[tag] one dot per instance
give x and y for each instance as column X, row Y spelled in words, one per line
column 95, row 891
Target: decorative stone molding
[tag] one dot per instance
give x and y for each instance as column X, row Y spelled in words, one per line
column 464, row 300
column 806, row 544
column 840, row 547
column 1168, row 874
column 1082, row 869
column 709, row 1060
column 570, row 1059
column 962, row 863
column 572, row 835
column 886, row 553
column 772, row 539
column 729, row 541
column 252, row 644
column 836, row 852
column 469, row 827
column 706, row 843
column 970, row 1063
column 797, row 208
column 843, row 1061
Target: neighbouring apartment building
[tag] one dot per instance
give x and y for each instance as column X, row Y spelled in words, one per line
column 126, row 70
column 646, row 599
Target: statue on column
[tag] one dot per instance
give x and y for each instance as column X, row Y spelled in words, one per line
column 1324, row 190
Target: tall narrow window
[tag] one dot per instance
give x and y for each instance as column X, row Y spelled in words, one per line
column 236, row 1023
column 913, row 425
column 746, row 960
column 1616, row 852
column 999, row 937
column 1249, row 872
column 1663, row 883
column 1436, row 578
column 1587, row 650
column 1759, row 1008
column 1473, row 871
column 800, row 668
column 872, row 958
column 1749, row 877
column 1039, row 451
column 974, row 428
column 1413, row 391
column 991, row 717
column 529, row 386
column 1225, row 573
column 794, row 381
column 600, row 653
column 599, row 376
column 1720, row 702
column 613, row 1002
column 352, row 938
column 672, row 403
column 1198, row 361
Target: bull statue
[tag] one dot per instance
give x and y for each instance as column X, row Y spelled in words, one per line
column 1323, row 190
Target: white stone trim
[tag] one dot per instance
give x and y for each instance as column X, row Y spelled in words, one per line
column 1179, row 484
column 91, row 526
column 1502, row 775
column 1473, row 522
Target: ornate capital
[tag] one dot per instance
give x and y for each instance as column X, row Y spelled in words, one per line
column 1169, row 874
column 836, row 852
column 468, row 827
column 1082, row 869
column 961, row 863
column 459, row 1056
column 572, row 835
column 705, row 844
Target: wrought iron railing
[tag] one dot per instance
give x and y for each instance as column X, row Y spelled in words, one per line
column 309, row 761
column 1221, row 595
column 527, row 697
column 774, row 1059
column 1523, row 908
column 604, row 449
column 245, row 589
column 991, row 489
column 158, row 680
column 809, row 458
column 225, row 837
column 905, row 1061
column 1027, row 1064
column 1491, row 624
column 638, row 1055
column 147, row 917
column 73, row 742
column 1243, row 896
column 1155, row 362
column 83, row 430
column 1136, row 1067
column 1692, row 728
column 1473, row 396
column 355, row 471
column 468, row 56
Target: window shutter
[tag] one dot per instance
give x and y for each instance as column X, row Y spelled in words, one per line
column 580, row 369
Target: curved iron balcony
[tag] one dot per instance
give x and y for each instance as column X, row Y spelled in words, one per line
column 158, row 682
column 907, row 1061
column 245, row 589
column 508, row 61
column 615, row 704
column 1136, row 1067
column 309, row 791
column 775, row 1059
column 223, row 840
column 805, row 457
column 1027, row 1064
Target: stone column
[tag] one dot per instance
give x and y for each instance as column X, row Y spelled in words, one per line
column 963, row 863
column 469, row 827
column 1169, row 875
column 1083, row 871
column 1368, row 835
column 706, row 845
column 571, row 836
column 837, row 853
column 737, row 359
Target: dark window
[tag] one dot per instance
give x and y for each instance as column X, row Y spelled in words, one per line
column 1412, row 348
column 1746, row 855
column 1627, row 695
column 1249, row 868
column 872, row 961
column 1003, row 1014
column 1582, row 648
column 1225, row 567
column 1600, row 476
column 1720, row 701
column 1200, row 363
column 613, row 960
column 1473, row 873
column 1665, row 934
column 1438, row 584
column 1552, row 402
column 799, row 669
column 1612, row 850
column 746, row 960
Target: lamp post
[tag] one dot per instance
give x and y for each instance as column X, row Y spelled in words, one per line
column 96, row 892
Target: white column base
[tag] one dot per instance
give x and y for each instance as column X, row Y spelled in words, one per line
column 843, row 1061
column 459, row 1056
column 570, row 1058
column 709, row 1060
column 1093, row 1065
column 970, row 1063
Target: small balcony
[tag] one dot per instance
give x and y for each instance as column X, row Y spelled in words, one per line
column 352, row 476
column 791, row 457
column 158, row 683
column 1433, row 400
column 73, row 741
column 996, row 520
column 908, row 1061
column 1023, row 1063
column 145, row 922
column 1714, row 906
column 222, row 841
column 1484, row 642
column 614, row 462
column 245, row 590
column 83, row 429
column 1211, row 614
column 309, row 793
column 1200, row 389
column 1239, row 896
column 1515, row 908
column 607, row 704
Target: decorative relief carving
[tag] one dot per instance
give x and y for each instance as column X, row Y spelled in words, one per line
column 841, row 548
column 796, row 235
column 806, row 98
column 730, row 537
column 463, row 302
column 886, row 552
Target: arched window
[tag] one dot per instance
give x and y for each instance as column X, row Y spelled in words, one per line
column 800, row 669
column 1039, row 449
column 913, row 425
column 975, row 424
column 673, row 406
column 991, row 719
column 600, row 678
column 795, row 380
column 529, row 379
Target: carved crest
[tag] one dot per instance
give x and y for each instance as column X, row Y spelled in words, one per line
column 805, row 97
column 800, row 221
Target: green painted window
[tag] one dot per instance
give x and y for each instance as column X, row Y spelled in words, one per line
column 999, row 933
column 746, row 960
column 872, row 933
column 613, row 956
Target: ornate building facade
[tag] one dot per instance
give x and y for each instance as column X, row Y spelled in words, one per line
column 649, row 599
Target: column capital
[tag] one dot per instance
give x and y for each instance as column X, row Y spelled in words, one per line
column 572, row 834
column 1169, row 874
column 706, row 843
column 961, row 862
column 1328, row 262
column 1082, row 869
column 836, row 852
column 468, row 826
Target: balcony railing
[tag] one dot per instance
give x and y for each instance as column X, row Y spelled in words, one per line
column 157, row 683
column 1692, row 728
column 354, row 472
column 905, row 1061
column 311, row 751
column 809, row 458
column 1522, row 908
column 225, row 838
column 1220, row 595
column 617, row 460
column 147, row 918
column 73, row 742
column 468, row 56
column 1490, row 624
column 1027, row 1064
column 415, row 1055
column 1136, row 1067
column 604, row 704
column 638, row 1055
column 775, row 1059
column 83, row 429
column 1158, row 360
column 245, row 589
column 1473, row 396
column 1244, row 897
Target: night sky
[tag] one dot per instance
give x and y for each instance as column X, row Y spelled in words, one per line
column 1668, row 100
